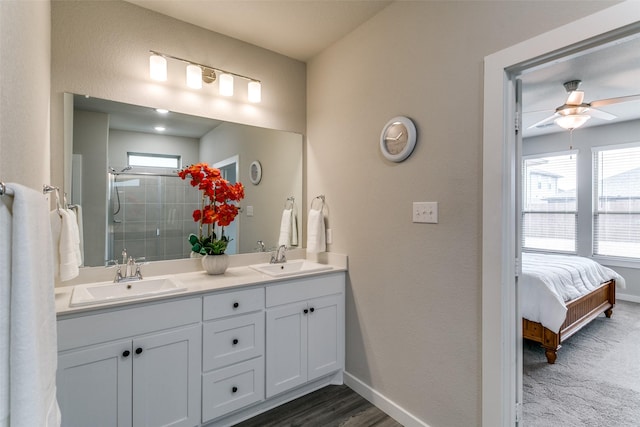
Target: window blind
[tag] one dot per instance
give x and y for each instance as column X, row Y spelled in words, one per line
column 616, row 191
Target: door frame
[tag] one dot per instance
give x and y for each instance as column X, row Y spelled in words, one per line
column 499, row 323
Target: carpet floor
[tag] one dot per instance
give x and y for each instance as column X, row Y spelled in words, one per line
column 596, row 379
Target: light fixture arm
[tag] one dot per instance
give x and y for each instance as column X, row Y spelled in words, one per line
column 210, row 76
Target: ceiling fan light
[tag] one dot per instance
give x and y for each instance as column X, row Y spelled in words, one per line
column 572, row 121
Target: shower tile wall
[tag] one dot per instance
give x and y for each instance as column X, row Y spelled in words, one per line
column 155, row 217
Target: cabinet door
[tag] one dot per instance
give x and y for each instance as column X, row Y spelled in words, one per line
column 286, row 347
column 94, row 385
column 166, row 378
column 326, row 336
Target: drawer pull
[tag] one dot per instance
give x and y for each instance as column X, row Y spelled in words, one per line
column 235, row 341
column 139, row 350
column 312, row 309
column 234, row 389
column 236, row 304
column 305, row 311
column 126, row 353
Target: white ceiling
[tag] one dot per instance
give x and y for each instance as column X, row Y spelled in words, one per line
column 301, row 29
column 295, row 28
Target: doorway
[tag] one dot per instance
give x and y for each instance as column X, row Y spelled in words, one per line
column 500, row 317
column 229, row 169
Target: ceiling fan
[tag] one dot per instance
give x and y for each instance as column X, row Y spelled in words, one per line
column 575, row 112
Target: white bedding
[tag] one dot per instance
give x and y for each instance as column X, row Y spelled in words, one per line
column 549, row 280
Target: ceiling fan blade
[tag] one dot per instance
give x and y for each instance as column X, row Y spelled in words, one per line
column 547, row 120
column 618, row 100
column 599, row 114
column 575, row 97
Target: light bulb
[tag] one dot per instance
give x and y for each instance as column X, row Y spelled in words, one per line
column 572, row 121
column 226, row 84
column 255, row 91
column 157, row 68
column 194, row 76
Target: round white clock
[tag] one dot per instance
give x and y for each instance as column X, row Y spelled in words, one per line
column 398, row 138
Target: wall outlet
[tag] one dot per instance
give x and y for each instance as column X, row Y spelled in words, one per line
column 249, row 210
column 425, row 212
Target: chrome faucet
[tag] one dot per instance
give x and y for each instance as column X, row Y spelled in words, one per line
column 132, row 270
column 279, row 255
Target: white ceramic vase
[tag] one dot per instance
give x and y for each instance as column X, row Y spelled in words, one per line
column 215, row 264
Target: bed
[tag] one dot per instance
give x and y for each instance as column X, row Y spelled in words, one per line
column 560, row 294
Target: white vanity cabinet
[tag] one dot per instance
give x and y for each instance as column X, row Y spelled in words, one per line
column 136, row 366
column 232, row 351
column 305, row 331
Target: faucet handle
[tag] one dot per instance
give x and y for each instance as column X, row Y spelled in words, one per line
column 110, row 263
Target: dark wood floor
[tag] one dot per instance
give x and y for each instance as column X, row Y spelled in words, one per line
column 332, row 406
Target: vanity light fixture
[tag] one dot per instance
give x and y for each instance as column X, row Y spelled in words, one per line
column 158, row 67
column 197, row 73
column 572, row 121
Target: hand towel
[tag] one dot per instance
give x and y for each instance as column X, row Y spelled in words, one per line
column 285, row 228
column 294, row 227
column 65, row 243
column 6, row 206
column 77, row 209
column 33, row 341
column 316, row 239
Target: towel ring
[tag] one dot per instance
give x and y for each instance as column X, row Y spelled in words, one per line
column 321, row 198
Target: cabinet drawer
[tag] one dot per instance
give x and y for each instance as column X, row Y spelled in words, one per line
column 303, row 289
column 115, row 324
column 232, row 388
column 232, row 340
column 232, row 303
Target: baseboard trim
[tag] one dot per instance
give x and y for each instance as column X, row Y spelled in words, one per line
column 392, row 409
column 627, row 297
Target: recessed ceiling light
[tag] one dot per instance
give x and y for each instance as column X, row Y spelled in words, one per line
column 162, row 110
column 160, row 128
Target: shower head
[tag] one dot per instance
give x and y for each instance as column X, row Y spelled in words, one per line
column 111, row 169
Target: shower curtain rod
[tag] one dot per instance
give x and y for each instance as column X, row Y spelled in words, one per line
column 175, row 175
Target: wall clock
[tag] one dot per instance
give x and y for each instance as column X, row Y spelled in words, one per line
column 398, row 138
column 255, row 172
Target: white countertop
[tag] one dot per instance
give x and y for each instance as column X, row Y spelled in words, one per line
column 199, row 281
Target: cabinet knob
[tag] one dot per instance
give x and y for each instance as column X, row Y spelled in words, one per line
column 235, row 341
column 234, row 389
column 236, row 304
column 312, row 309
column 139, row 350
column 126, row 353
column 305, row 311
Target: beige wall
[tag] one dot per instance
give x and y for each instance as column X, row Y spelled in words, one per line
column 24, row 92
column 414, row 290
column 101, row 48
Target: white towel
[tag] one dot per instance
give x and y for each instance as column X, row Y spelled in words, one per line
column 77, row 210
column 31, row 307
column 294, row 227
column 285, row 228
column 65, row 243
column 316, row 239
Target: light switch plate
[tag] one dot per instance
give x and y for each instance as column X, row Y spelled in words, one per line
column 425, row 212
column 249, row 210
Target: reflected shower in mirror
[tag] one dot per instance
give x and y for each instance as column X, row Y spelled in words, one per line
column 124, row 177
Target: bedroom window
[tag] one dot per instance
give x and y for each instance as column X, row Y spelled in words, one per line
column 549, row 209
column 616, row 204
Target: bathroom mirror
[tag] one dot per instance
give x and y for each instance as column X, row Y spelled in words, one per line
column 124, row 178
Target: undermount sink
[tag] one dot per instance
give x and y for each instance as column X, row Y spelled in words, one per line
column 290, row 268
column 95, row 293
